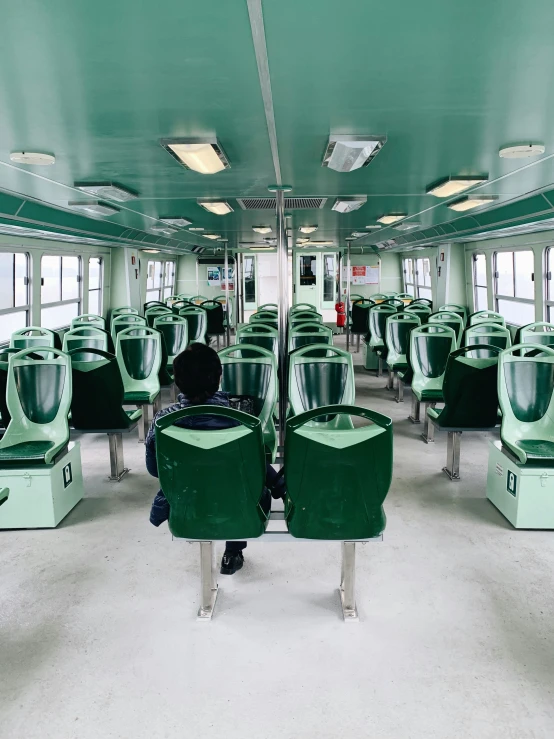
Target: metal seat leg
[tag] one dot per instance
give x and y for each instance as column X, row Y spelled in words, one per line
column 452, row 468
column 157, row 404
column 348, row 582
column 380, row 368
column 399, row 390
column 208, row 581
column 143, row 423
column 428, row 434
column 358, row 343
column 390, row 381
column 414, row 416
column 173, row 393
column 117, row 467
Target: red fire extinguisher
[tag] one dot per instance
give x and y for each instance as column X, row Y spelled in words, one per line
column 341, row 315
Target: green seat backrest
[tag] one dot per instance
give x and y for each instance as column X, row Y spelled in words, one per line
column 197, row 322
column 378, row 323
column 32, row 336
column 88, row 319
column 302, row 334
column 406, row 297
column 85, row 337
column 378, row 297
column 538, row 333
column 4, row 364
column 124, row 321
column 490, row 334
column 397, row 338
column 172, row 299
column 97, row 401
column 174, row 331
column 430, row 347
column 337, row 480
column 38, row 399
column 453, row 320
column 320, row 375
column 215, row 317
column 424, row 301
column 395, row 302
column 139, row 356
column 124, row 311
column 302, row 307
column 305, row 316
column 198, row 299
column 486, row 316
column 259, row 335
column 269, row 306
column 460, row 310
column 525, row 392
column 470, row 389
column 156, row 310
column 267, row 317
column 153, row 304
column 360, row 315
column 418, row 309
column 213, row 480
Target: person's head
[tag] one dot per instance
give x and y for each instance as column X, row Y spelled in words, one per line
column 197, row 372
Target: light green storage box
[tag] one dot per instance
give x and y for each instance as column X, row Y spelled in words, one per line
column 42, row 495
column 524, row 494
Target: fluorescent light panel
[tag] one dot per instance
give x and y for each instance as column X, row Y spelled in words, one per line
column 347, row 205
column 322, row 243
column 92, row 208
column 262, row 229
column 392, row 218
column 213, row 237
column 203, row 155
column 32, row 157
column 347, row 153
column 151, row 251
column 218, row 207
column 301, row 242
column 521, row 151
column 471, row 201
column 107, row 190
column 163, row 230
column 407, row 226
column 307, row 229
column 449, row 186
column 177, row 222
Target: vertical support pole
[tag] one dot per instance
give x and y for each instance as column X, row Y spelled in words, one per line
column 238, row 288
column 339, row 268
column 452, row 468
column 348, row 297
column 226, row 267
column 348, row 581
column 282, row 259
column 208, row 582
column 117, row 467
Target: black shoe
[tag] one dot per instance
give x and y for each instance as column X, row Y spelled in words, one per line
column 231, row 562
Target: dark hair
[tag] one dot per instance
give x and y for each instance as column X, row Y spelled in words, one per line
column 197, row 372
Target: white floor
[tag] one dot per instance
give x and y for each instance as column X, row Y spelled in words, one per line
column 98, row 637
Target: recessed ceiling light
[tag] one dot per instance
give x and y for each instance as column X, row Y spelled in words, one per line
column 177, row 222
column 449, row 186
column 392, row 218
column 151, row 251
column 301, row 242
column 196, row 229
column 471, row 201
column 262, row 229
column 163, row 230
column 407, row 226
column 107, row 190
column 260, row 248
column 322, row 243
column 307, row 229
column 32, row 157
column 347, row 153
column 521, row 151
column 93, row 208
column 219, row 207
column 203, row 155
column 376, row 225
column 347, row 205
column 213, row 237
column 271, row 241
column 358, row 234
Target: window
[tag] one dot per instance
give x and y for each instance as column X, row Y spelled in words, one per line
column 249, row 280
column 514, row 287
column 329, row 274
column 14, row 293
column 423, row 278
column 308, row 271
column 549, row 292
column 480, row 295
column 95, row 285
column 61, row 290
column 409, row 283
column 160, row 280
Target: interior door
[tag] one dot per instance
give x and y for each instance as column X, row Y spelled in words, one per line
column 308, row 280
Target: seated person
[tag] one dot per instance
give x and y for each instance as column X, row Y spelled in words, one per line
column 198, row 375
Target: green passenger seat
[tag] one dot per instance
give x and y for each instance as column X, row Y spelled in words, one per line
column 405, row 297
column 4, row 367
column 154, row 311
column 215, row 317
column 457, row 308
column 424, row 301
column 378, row 316
column 139, row 356
column 85, row 337
column 123, row 311
column 32, row 336
column 88, row 319
column 420, row 310
column 174, row 331
column 316, row 381
column 430, row 347
column 302, row 307
column 452, row 320
column 152, row 304
column 538, row 333
column 337, row 480
column 213, row 480
column 252, row 371
column 269, row 306
column 397, row 339
column 124, row 321
column 396, row 303
column 302, row 334
column 360, row 316
column 305, row 316
column 378, row 297
column 267, row 317
column 98, row 392
column 526, row 395
column 38, row 398
column 198, row 299
column 486, row 316
column 197, row 322
column 259, row 335
column 488, row 334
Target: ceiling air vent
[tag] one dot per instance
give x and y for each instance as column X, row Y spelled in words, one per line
column 290, row 203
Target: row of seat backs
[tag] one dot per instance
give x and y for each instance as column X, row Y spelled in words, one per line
column 362, row 308
column 336, row 480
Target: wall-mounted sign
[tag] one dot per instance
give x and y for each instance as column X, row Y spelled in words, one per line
column 364, row 275
column 230, row 275
column 214, row 277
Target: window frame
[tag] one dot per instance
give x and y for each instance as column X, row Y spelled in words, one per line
column 70, row 301
column 512, row 298
column 100, row 288
column 163, row 288
column 474, row 280
column 26, row 308
column 548, row 300
column 418, row 285
column 407, row 284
